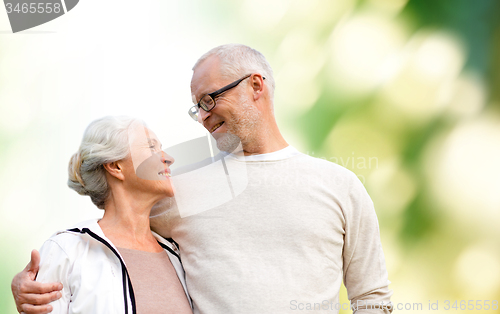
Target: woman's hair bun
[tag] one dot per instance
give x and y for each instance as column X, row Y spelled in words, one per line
column 75, row 180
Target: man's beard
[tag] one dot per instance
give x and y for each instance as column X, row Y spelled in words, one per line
column 241, row 127
column 228, row 142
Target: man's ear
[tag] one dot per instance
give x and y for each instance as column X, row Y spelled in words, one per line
column 257, row 82
column 115, row 169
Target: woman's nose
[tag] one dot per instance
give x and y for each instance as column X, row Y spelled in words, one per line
column 167, row 159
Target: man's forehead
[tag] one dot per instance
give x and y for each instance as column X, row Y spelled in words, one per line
column 205, row 76
column 198, row 89
column 204, row 85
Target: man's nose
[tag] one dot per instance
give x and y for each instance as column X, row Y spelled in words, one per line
column 203, row 115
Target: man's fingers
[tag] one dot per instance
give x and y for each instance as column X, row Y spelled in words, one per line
column 35, row 287
column 39, row 299
column 36, row 309
column 31, row 296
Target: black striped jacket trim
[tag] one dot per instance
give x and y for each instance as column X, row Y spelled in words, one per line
column 125, row 275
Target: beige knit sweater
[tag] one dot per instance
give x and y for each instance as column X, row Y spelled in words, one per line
column 298, row 227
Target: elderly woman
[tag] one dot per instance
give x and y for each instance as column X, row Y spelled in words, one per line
column 117, row 264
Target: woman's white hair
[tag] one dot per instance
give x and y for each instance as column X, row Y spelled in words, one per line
column 238, row 60
column 105, row 140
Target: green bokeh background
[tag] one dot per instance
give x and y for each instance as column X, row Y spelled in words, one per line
column 403, row 93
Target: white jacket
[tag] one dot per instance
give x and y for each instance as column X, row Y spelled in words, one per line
column 94, row 276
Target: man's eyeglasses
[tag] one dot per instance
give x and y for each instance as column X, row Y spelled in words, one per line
column 208, row 103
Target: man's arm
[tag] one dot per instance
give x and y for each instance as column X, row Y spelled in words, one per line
column 365, row 274
column 34, row 297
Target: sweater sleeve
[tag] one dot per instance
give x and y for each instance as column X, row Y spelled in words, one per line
column 55, row 266
column 365, row 274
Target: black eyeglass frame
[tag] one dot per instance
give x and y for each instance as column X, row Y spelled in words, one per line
column 213, row 95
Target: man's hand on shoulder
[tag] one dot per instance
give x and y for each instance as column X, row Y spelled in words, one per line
column 34, row 297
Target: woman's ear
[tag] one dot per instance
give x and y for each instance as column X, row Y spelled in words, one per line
column 257, row 85
column 115, row 169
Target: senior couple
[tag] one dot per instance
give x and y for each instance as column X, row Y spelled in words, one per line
column 278, row 246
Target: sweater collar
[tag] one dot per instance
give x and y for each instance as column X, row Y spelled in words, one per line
column 281, row 154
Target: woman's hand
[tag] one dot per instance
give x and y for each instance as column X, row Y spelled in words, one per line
column 34, row 297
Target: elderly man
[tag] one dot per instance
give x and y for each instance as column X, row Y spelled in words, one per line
column 285, row 243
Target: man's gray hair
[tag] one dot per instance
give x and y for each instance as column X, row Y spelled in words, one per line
column 238, row 60
column 105, row 140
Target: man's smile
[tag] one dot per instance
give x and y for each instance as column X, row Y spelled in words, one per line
column 215, row 127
